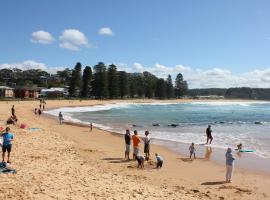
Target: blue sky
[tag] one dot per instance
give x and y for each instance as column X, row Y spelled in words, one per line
column 202, row 39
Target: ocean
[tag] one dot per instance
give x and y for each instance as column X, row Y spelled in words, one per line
column 232, row 122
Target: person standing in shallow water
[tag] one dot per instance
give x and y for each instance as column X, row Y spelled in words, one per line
column 229, row 165
column 209, row 134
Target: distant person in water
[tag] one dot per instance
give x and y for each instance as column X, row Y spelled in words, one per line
column 239, row 146
column 91, row 126
column 140, row 159
column 13, row 110
column 135, row 141
column 7, row 144
column 146, row 141
column 159, row 161
column 209, row 134
column 192, row 150
column 60, row 118
column 229, row 165
column 128, row 143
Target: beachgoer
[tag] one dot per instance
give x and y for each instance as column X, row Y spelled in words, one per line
column 127, row 142
column 91, row 126
column 39, row 112
column 61, row 118
column 13, row 110
column 239, row 146
column 146, row 141
column 7, row 144
column 209, row 134
column 36, row 111
column 12, row 120
column 229, row 165
column 140, row 159
column 192, row 150
column 159, row 161
column 43, row 107
column 135, row 142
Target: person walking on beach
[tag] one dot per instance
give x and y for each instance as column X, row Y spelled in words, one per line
column 39, row 112
column 7, row 144
column 146, row 141
column 135, row 142
column 60, row 118
column 127, row 142
column 159, row 161
column 91, row 126
column 229, row 165
column 13, row 110
column 209, row 134
column 192, row 150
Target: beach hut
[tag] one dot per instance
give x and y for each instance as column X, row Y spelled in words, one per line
column 26, row 92
column 6, row 92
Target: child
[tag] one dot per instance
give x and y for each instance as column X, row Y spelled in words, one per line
column 159, row 161
column 239, row 146
column 140, row 159
column 146, row 141
column 192, row 150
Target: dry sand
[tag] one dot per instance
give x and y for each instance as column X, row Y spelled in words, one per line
column 69, row 162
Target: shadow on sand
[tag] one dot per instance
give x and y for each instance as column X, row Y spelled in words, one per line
column 214, row 183
column 116, row 160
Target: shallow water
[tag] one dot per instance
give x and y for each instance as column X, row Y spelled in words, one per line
column 232, row 122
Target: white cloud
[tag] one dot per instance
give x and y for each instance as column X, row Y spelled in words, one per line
column 73, row 40
column 31, row 64
column 105, row 31
column 42, row 37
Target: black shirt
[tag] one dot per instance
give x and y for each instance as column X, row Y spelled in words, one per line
column 208, row 131
column 127, row 138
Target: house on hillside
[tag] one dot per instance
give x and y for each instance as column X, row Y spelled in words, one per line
column 26, row 92
column 6, row 92
column 54, row 92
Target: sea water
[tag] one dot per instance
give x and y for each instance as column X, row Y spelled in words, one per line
column 232, row 122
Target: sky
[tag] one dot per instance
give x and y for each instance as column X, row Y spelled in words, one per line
column 212, row 43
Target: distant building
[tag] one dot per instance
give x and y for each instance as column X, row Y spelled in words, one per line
column 54, row 92
column 26, row 92
column 6, row 92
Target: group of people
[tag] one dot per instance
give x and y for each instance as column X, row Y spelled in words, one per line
column 38, row 111
column 136, row 140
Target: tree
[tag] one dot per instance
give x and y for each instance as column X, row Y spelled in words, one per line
column 181, row 86
column 100, row 83
column 113, row 82
column 123, row 84
column 149, row 84
column 169, row 88
column 87, row 78
column 76, row 80
column 160, row 91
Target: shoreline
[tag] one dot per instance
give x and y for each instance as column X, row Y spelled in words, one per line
column 69, row 162
column 263, row 164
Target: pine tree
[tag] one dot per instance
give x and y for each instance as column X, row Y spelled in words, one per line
column 123, row 84
column 169, row 88
column 87, row 78
column 181, row 86
column 113, row 82
column 160, row 91
column 100, row 83
column 76, row 80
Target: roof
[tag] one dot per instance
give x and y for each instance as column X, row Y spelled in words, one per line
column 53, row 90
column 5, row 87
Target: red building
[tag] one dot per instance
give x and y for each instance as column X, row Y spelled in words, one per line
column 26, row 92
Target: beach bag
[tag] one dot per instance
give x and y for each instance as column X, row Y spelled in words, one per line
column 23, row 126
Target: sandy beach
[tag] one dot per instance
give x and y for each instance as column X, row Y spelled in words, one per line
column 70, row 162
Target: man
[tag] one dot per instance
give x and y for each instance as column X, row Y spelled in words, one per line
column 13, row 110
column 7, row 144
column 135, row 141
column 209, row 134
column 61, row 118
column 127, row 142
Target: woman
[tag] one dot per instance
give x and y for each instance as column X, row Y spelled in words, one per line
column 229, row 165
column 146, row 141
